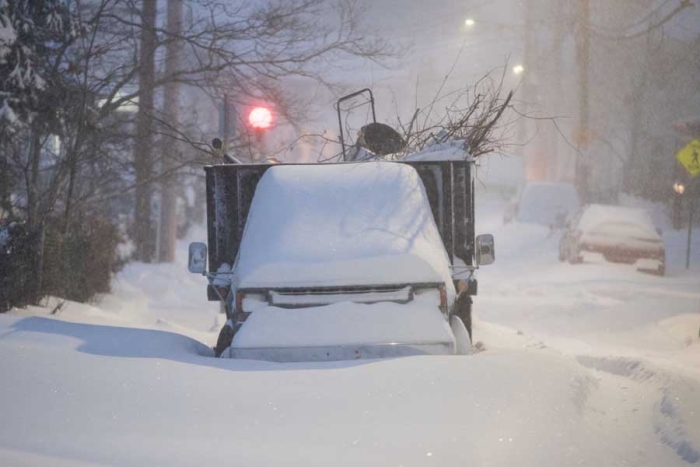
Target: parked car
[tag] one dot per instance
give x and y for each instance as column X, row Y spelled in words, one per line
column 619, row 234
column 546, row 203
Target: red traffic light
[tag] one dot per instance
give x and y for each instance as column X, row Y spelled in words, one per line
column 260, row 118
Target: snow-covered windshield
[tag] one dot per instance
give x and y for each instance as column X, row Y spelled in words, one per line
column 349, row 224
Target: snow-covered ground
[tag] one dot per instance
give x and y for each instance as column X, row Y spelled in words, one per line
column 592, row 364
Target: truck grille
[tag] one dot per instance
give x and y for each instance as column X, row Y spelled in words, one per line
column 302, row 298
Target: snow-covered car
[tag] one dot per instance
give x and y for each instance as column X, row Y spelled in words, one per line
column 341, row 261
column 546, row 203
column 619, row 234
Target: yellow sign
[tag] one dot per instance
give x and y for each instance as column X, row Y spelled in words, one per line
column 689, row 157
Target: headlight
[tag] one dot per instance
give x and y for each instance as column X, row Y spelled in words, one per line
column 248, row 302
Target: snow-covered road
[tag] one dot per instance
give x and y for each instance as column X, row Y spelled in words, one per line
column 593, row 364
column 591, row 308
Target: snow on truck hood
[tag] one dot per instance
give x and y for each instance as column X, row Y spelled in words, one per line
column 340, row 224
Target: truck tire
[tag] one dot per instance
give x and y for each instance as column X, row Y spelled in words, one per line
column 463, row 343
column 463, row 309
column 575, row 256
column 225, row 338
column 562, row 251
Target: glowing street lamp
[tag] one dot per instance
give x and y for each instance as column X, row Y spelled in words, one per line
column 469, row 22
column 518, row 69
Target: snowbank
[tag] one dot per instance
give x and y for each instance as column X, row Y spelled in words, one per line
column 165, row 296
column 76, row 394
column 417, row 322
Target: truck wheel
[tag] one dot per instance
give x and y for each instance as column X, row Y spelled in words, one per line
column 464, row 312
column 463, row 343
column 562, row 257
column 575, row 257
column 225, row 338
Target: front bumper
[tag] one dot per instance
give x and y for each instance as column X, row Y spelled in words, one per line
column 624, row 254
column 340, row 352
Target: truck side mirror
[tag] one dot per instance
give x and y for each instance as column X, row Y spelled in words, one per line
column 197, row 259
column 485, row 250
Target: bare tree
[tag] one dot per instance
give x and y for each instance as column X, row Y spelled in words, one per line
column 472, row 115
column 85, row 105
column 476, row 118
column 112, row 58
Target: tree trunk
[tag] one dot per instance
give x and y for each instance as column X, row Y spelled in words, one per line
column 143, row 160
column 35, row 220
column 73, row 166
column 170, row 147
column 33, row 179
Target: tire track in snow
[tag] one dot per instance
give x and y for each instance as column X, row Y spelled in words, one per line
column 667, row 422
column 619, row 366
column 669, row 427
column 583, row 386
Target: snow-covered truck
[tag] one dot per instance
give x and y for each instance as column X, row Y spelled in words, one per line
column 342, row 261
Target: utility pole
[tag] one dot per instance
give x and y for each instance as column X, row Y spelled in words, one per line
column 143, row 160
column 693, row 195
column 691, row 211
column 583, row 45
column 170, row 147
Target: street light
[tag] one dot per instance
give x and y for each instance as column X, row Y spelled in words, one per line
column 260, row 118
column 518, row 69
column 469, row 22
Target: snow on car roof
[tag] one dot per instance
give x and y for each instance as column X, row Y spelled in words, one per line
column 340, row 224
column 597, row 215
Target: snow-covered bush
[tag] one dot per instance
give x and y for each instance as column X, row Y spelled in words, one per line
column 79, row 264
column 76, row 265
column 18, row 263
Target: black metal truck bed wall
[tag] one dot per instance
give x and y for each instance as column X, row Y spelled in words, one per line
column 230, row 190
